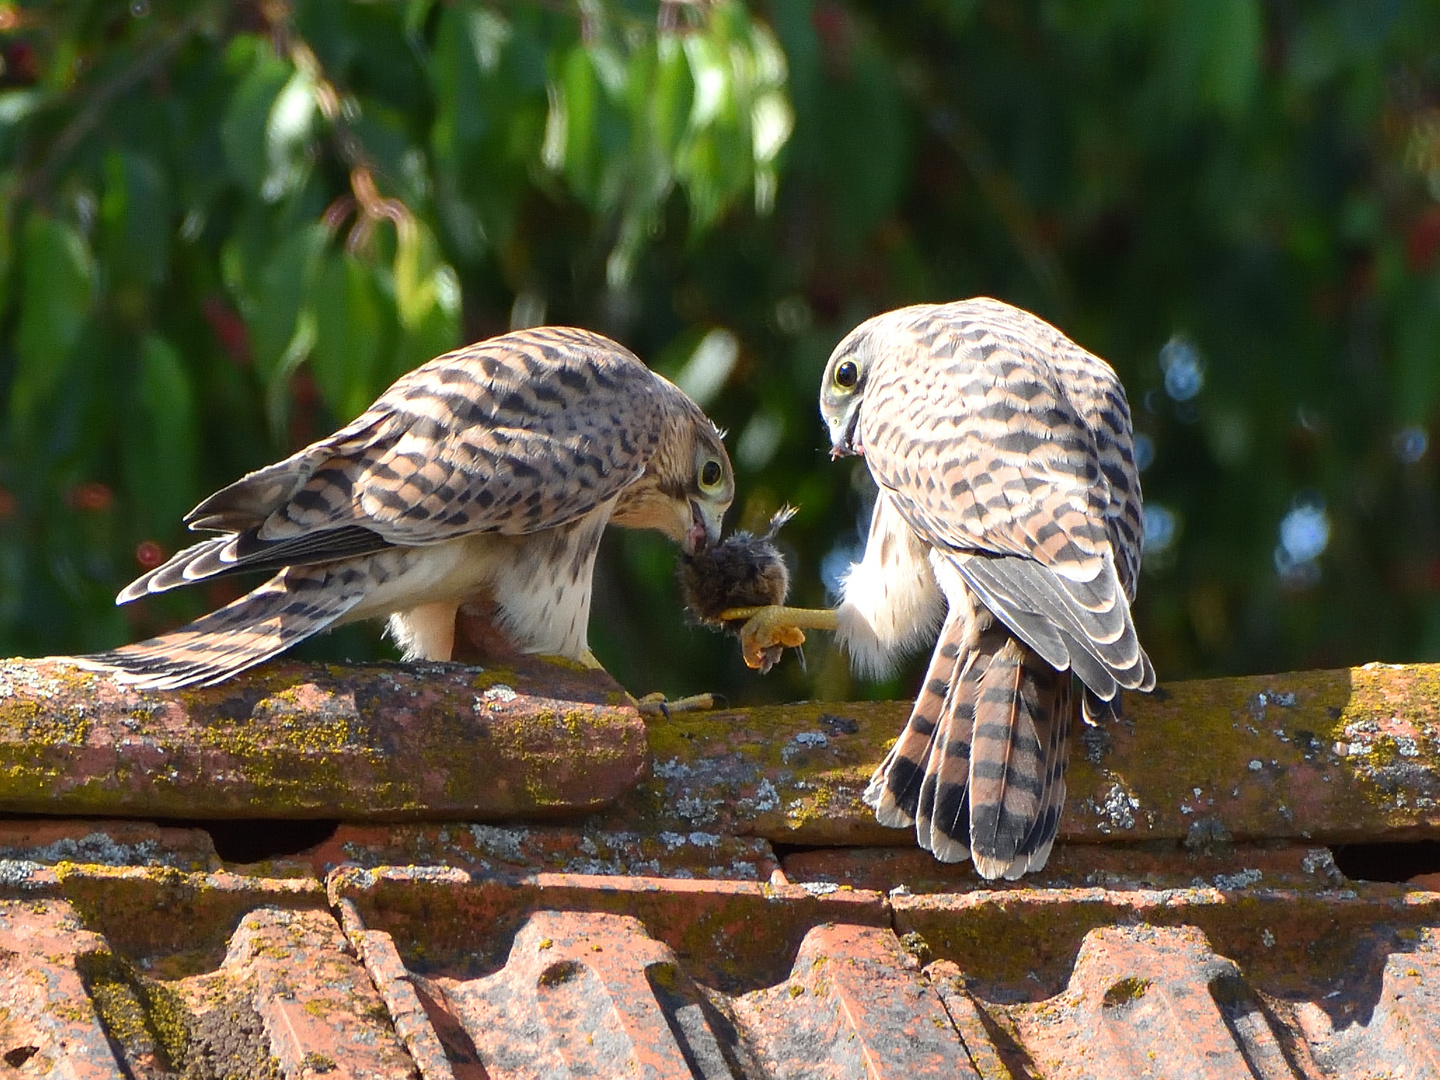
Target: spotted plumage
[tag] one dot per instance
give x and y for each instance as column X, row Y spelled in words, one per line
column 487, row 474
column 1009, row 516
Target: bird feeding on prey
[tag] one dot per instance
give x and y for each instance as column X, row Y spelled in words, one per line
column 741, row 571
column 486, row 475
column 1008, row 516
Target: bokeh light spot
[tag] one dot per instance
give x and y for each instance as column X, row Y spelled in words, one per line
column 793, row 315
column 836, row 563
column 1183, row 368
column 92, row 497
column 1410, row 444
column 1304, row 535
column 1160, row 528
column 709, row 366
column 759, row 441
column 149, row 554
column 1144, row 451
column 1305, row 532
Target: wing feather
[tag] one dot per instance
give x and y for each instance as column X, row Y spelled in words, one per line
column 993, row 447
column 487, row 438
column 1007, row 446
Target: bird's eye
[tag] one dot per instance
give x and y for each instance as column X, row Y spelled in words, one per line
column 710, row 474
column 847, row 374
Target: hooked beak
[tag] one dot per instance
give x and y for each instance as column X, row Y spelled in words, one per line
column 846, row 441
column 703, row 531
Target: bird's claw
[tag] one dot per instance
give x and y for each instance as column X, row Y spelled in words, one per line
column 657, row 704
column 766, row 633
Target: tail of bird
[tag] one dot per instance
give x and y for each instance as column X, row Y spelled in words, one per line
column 294, row 604
column 980, row 768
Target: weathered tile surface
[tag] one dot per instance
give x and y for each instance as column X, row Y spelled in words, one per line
column 445, row 974
column 736, row 915
column 383, row 742
column 48, row 1023
column 1324, row 756
column 1320, row 756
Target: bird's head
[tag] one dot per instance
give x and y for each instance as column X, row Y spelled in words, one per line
column 841, row 389
column 687, row 487
column 711, row 489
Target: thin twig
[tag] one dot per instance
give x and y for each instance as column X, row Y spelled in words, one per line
column 364, row 192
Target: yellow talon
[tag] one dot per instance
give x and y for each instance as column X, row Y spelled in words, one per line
column 767, row 628
column 657, row 704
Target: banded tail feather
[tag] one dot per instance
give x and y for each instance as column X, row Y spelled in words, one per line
column 293, row 605
column 980, row 768
column 894, row 789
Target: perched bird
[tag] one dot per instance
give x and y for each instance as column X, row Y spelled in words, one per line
column 743, row 570
column 1008, row 515
column 485, row 475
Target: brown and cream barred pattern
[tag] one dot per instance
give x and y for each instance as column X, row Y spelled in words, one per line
column 493, row 468
column 1007, row 449
column 524, row 431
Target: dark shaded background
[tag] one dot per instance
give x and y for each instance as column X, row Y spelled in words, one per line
column 228, row 226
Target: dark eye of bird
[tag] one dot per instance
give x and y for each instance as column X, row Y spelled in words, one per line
column 710, row 473
column 846, row 374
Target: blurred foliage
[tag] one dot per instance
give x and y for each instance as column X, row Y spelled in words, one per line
column 227, row 226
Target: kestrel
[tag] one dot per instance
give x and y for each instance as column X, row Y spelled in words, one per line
column 1008, row 514
column 485, row 475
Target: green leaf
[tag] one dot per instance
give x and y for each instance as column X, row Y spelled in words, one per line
column 288, row 129
column 16, row 106
column 245, row 131
column 55, row 301
column 459, row 119
column 427, row 300
column 739, row 117
column 710, row 73
column 135, row 213
column 423, row 281
column 277, row 389
column 438, row 332
column 489, row 33
column 670, row 98
column 159, row 450
column 416, row 12
column 1235, row 33
column 284, row 282
column 580, row 90
column 1210, row 54
column 348, row 334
